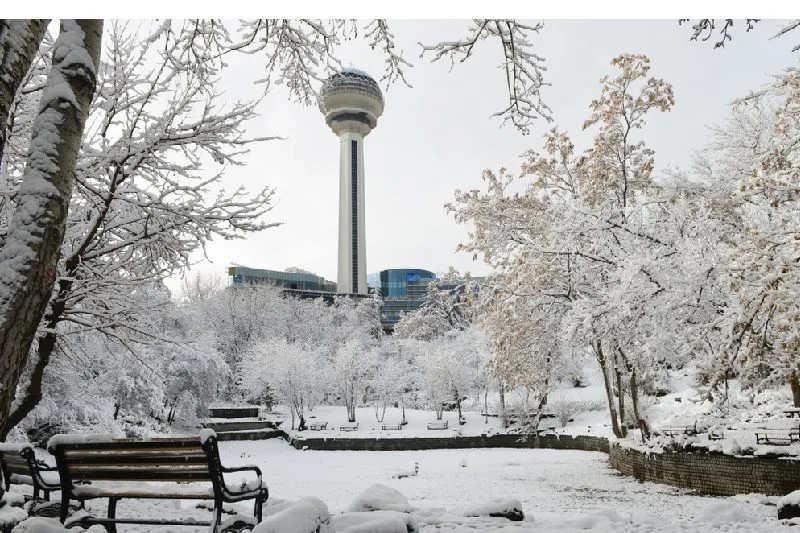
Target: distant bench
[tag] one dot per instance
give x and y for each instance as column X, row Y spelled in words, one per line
column 437, row 425
column 680, row 427
column 317, row 426
column 779, row 431
column 348, row 427
column 392, row 426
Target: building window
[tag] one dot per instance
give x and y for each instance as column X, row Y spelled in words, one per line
column 354, row 210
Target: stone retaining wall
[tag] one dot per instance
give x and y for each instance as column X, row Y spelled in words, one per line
column 559, row 442
column 710, row 473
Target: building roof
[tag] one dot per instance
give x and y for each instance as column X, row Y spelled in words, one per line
column 352, row 79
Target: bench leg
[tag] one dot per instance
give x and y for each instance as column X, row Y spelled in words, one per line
column 112, row 513
column 217, row 513
column 64, row 511
column 258, row 510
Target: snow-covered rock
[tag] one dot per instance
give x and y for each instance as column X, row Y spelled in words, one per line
column 724, row 512
column 789, row 505
column 307, row 515
column 39, row 525
column 375, row 522
column 505, row 508
column 379, row 497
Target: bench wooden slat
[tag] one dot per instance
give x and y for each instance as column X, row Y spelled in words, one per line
column 118, row 446
column 17, row 470
column 194, row 450
column 99, row 492
column 138, row 467
column 113, row 475
column 143, row 460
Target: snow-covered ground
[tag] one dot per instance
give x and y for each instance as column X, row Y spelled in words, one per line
column 567, row 491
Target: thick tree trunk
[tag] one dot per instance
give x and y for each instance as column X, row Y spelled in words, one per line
column 621, row 401
column 794, row 382
column 601, row 360
column 486, row 405
column 640, row 421
column 503, row 418
column 19, row 42
column 30, row 255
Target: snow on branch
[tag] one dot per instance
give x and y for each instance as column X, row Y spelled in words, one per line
column 703, row 29
column 378, row 34
column 524, row 69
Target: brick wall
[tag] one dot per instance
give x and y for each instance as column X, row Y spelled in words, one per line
column 559, row 442
column 710, row 473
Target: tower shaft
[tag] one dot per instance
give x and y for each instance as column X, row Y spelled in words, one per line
column 352, row 271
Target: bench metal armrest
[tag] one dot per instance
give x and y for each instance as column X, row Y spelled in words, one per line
column 255, row 469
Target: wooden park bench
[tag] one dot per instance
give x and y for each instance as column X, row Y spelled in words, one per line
column 680, row 427
column 439, row 424
column 318, row 426
column 779, row 431
column 19, row 466
column 349, row 427
column 128, row 468
column 392, row 426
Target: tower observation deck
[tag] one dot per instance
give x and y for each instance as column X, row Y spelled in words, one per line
column 351, row 102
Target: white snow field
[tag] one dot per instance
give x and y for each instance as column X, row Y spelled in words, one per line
column 564, row 491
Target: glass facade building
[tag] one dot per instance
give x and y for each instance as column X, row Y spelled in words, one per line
column 403, row 290
column 395, row 282
column 301, row 281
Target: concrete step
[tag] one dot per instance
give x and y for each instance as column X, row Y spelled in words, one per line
column 252, row 434
column 238, row 425
column 234, row 412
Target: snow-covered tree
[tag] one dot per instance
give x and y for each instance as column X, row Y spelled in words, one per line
column 753, row 162
column 32, row 242
column 444, row 309
column 353, row 366
column 577, row 260
column 291, row 372
column 391, row 377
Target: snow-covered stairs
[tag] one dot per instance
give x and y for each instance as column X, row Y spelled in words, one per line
column 240, row 423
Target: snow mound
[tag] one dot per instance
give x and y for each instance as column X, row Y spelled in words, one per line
column 725, row 512
column 379, row 497
column 39, row 525
column 507, row 508
column 308, row 515
column 375, row 522
column 604, row 519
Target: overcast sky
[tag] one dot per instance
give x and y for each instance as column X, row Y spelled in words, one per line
column 439, row 136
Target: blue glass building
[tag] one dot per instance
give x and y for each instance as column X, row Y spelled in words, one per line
column 403, row 290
